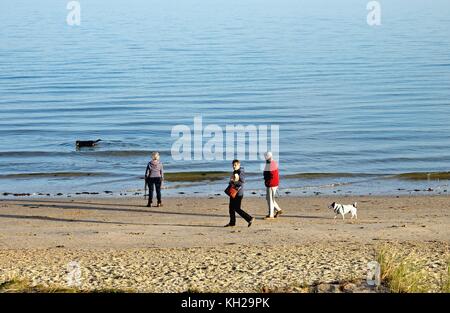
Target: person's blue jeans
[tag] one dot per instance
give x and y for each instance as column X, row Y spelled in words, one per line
column 154, row 183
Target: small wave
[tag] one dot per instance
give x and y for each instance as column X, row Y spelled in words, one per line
column 195, row 176
column 422, row 176
column 55, row 174
column 82, row 152
column 328, row 175
column 401, row 176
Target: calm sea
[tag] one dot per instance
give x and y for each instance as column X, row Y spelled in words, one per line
column 359, row 103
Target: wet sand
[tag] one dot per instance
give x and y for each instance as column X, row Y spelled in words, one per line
column 120, row 243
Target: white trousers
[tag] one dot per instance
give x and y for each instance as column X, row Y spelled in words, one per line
column 270, row 197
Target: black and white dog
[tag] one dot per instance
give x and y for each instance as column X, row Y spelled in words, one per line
column 344, row 209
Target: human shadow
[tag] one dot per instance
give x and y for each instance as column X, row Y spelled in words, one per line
column 65, row 200
column 57, row 219
column 95, row 208
column 306, row 216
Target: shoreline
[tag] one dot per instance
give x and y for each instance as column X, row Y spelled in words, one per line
column 178, row 191
column 213, row 183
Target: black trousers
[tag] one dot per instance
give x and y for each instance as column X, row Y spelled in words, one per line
column 154, row 183
column 235, row 207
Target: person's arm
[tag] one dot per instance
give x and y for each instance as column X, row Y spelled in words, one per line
column 241, row 180
column 147, row 170
column 266, row 175
column 162, row 172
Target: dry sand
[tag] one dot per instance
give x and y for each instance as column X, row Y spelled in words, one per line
column 120, row 243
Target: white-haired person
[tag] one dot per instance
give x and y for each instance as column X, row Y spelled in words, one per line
column 154, row 177
column 271, row 180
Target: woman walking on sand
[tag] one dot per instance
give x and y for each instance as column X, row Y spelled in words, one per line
column 237, row 181
column 154, row 178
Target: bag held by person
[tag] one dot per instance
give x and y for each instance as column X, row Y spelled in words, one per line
column 231, row 191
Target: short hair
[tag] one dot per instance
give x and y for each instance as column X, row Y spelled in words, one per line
column 155, row 155
column 236, row 161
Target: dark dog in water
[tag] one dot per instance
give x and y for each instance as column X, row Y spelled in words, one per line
column 87, row 143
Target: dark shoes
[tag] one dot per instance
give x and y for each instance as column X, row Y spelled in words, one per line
column 251, row 221
column 158, row 205
column 277, row 213
column 229, row 225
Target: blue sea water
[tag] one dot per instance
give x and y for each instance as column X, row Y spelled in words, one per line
column 348, row 97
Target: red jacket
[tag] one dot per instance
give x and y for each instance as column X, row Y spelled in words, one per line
column 271, row 175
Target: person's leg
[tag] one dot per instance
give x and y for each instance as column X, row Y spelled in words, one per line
column 241, row 212
column 275, row 204
column 150, row 190
column 232, row 212
column 269, row 198
column 158, row 189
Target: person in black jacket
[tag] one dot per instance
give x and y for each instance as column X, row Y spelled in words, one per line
column 237, row 180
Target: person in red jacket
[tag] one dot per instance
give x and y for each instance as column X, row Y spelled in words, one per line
column 271, row 180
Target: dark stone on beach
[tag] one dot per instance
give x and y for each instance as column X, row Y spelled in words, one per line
column 253, row 193
column 416, row 190
column 60, row 246
column 21, row 194
column 94, row 193
column 59, row 194
column 107, row 191
column 181, row 193
column 217, row 194
column 430, row 189
column 85, row 193
column 7, row 193
column 287, row 192
column 445, row 190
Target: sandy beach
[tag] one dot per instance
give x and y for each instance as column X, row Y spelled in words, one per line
column 120, row 243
